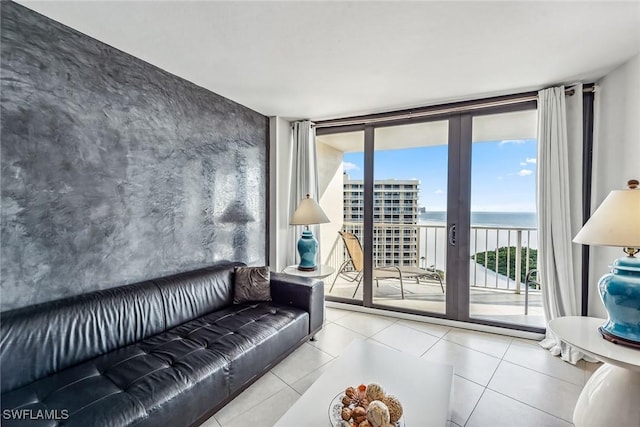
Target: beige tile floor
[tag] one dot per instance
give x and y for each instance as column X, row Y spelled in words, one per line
column 499, row 380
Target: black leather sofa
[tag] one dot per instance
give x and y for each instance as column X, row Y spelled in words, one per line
column 166, row 352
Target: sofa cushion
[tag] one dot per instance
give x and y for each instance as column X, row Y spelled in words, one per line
column 251, row 284
column 136, row 384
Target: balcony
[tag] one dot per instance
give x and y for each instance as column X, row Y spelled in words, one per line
column 501, row 297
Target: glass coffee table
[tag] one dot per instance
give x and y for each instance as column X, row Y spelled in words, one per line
column 423, row 387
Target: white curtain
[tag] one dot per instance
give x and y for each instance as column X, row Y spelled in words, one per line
column 559, row 201
column 303, row 180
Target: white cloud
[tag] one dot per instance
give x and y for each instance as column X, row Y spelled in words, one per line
column 348, row 166
column 531, row 160
column 438, row 191
column 499, row 177
column 512, row 141
column 524, row 172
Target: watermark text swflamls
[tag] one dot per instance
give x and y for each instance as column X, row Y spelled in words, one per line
column 35, row 414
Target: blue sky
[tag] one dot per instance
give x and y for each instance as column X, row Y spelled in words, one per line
column 503, row 173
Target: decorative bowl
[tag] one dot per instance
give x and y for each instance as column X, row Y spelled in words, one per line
column 335, row 412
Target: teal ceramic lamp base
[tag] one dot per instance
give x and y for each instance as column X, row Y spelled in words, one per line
column 620, row 292
column 307, row 249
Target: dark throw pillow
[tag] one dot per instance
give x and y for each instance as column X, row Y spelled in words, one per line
column 251, row 284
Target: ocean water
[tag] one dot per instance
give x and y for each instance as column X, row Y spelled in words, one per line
column 492, row 219
column 433, row 236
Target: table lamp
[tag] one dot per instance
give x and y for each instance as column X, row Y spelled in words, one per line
column 616, row 222
column 308, row 212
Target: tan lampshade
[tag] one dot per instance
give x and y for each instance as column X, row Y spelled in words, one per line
column 616, row 222
column 308, row 212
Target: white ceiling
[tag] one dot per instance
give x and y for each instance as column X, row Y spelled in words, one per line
column 333, row 59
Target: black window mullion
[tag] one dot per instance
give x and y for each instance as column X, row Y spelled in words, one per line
column 367, row 230
column 463, row 237
column 587, row 165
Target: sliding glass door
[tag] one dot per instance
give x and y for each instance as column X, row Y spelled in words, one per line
column 341, row 186
column 409, row 216
column 503, row 234
column 425, row 217
column 388, row 204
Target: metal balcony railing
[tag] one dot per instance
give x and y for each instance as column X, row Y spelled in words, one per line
column 427, row 248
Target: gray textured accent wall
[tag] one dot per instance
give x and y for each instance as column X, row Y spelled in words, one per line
column 114, row 171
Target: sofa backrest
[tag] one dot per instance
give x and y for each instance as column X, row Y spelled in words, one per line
column 39, row 340
column 190, row 295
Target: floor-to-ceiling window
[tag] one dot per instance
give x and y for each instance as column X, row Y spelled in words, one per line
column 441, row 205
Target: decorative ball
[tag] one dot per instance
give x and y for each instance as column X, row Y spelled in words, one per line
column 364, row 402
column 359, row 414
column 350, row 392
column 378, row 414
column 394, row 406
column 365, row 423
column 361, row 392
column 346, row 414
column 374, row 392
column 360, row 399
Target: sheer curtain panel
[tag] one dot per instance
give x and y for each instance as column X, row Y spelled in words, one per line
column 559, row 201
column 303, row 180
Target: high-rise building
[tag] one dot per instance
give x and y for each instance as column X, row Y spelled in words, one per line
column 395, row 214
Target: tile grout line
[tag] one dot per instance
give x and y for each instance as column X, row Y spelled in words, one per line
column 360, row 333
column 486, row 386
column 470, row 380
column 531, row 406
column 473, row 349
column 517, row 400
column 294, row 390
column 428, row 333
column 543, row 373
column 283, row 381
column 256, row 404
column 474, row 407
column 309, row 373
column 262, row 401
column 319, row 349
column 431, row 346
column 540, row 372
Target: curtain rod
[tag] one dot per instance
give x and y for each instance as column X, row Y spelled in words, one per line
column 570, row 91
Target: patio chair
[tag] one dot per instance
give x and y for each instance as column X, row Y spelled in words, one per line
column 356, row 259
column 530, row 281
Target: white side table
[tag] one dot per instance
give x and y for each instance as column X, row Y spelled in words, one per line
column 611, row 397
column 322, row 271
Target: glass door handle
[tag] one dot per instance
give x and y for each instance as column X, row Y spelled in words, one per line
column 452, row 235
